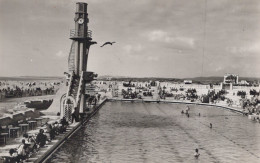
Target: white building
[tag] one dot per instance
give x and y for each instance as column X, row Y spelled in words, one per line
column 187, row 81
column 230, row 78
column 244, row 82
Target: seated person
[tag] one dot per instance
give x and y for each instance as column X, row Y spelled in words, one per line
column 22, row 151
column 52, row 132
column 41, row 138
column 13, row 156
column 56, row 128
column 31, row 143
column 64, row 125
column 64, row 122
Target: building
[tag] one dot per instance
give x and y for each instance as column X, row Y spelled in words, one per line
column 244, row 82
column 187, row 81
column 230, row 78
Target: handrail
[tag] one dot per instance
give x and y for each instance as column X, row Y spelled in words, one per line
column 70, row 83
column 77, row 33
column 79, row 88
column 89, row 33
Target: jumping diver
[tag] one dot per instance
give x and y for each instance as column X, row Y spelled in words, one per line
column 106, row 43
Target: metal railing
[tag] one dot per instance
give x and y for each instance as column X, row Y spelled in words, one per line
column 79, row 88
column 80, row 34
column 70, row 83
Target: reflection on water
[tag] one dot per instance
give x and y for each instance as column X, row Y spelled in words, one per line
column 151, row 132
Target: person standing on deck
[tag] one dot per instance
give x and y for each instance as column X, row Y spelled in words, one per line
column 74, row 117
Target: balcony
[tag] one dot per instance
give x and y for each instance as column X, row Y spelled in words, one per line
column 75, row 34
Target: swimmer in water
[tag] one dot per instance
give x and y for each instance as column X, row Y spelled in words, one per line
column 188, row 108
column 210, row 125
column 196, row 155
column 182, row 112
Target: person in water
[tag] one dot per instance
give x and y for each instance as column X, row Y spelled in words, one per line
column 199, row 114
column 196, row 155
column 188, row 108
column 210, row 125
column 182, row 112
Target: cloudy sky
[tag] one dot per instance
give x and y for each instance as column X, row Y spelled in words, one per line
column 166, row 38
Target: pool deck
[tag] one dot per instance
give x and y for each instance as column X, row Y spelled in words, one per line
column 179, row 101
column 45, row 152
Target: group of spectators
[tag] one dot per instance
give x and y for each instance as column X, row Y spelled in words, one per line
column 251, row 105
column 23, row 89
column 128, row 84
column 129, row 94
column 212, row 96
column 92, row 100
column 32, row 144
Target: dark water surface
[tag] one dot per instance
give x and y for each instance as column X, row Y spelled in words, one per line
column 151, row 132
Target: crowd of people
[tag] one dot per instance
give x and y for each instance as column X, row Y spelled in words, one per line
column 24, row 89
column 251, row 105
column 32, row 144
column 191, row 94
column 129, row 94
column 92, row 100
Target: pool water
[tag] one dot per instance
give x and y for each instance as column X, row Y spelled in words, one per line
column 152, row 132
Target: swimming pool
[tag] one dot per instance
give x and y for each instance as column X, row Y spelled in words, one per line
column 151, row 132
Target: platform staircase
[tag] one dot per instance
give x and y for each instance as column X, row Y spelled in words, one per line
column 71, row 58
column 74, row 93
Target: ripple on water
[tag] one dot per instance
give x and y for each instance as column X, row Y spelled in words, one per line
column 141, row 132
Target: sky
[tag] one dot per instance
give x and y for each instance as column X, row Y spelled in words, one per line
column 166, row 38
